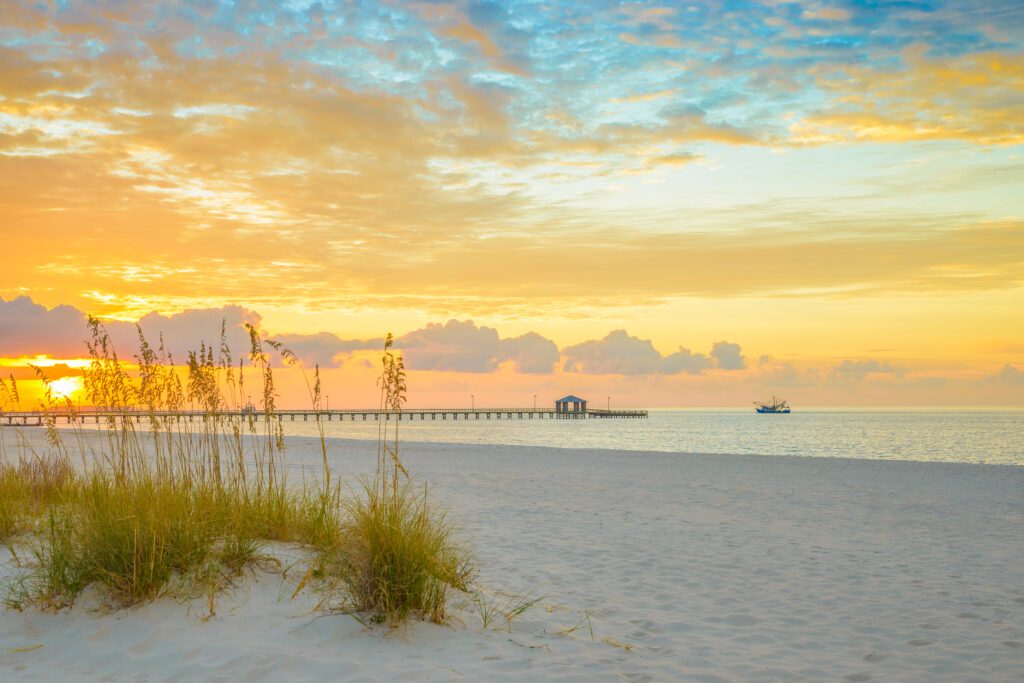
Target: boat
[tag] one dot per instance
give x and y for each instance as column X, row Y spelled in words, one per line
column 776, row 406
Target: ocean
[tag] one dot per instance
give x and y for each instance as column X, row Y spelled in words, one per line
column 949, row 435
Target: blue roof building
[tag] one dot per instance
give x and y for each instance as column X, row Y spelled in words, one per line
column 570, row 404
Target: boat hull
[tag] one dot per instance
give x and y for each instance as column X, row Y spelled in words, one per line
column 772, row 410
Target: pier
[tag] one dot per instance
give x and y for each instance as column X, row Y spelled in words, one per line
column 37, row 418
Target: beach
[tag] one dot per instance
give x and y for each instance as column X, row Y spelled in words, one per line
column 647, row 566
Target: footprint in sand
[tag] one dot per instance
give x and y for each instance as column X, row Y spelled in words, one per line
column 874, row 657
column 919, row 643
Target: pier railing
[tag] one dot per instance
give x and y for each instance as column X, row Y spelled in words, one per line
column 94, row 415
column 600, row 412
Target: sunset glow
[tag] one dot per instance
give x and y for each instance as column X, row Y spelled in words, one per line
column 817, row 199
column 66, row 387
column 43, row 361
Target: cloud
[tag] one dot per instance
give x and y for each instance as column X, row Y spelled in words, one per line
column 1010, row 374
column 186, row 331
column 686, row 361
column 531, row 353
column 728, row 356
column 861, row 369
column 827, row 14
column 618, row 353
column 643, row 97
column 51, row 372
column 780, row 374
column 678, row 159
column 28, row 329
column 325, row 349
column 970, row 97
column 224, row 138
column 458, row 346
column 461, row 346
column 659, row 18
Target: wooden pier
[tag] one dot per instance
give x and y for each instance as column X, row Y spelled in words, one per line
column 35, row 418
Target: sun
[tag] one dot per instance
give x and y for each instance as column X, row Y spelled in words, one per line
column 65, row 386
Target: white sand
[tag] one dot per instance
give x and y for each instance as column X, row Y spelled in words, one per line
column 709, row 567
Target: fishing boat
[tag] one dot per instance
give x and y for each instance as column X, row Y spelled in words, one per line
column 776, row 406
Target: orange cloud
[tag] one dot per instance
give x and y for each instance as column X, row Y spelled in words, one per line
column 659, row 17
column 654, row 40
column 827, row 14
column 961, row 98
column 644, row 97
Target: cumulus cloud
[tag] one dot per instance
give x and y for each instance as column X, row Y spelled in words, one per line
column 186, row 331
column 860, row 369
column 621, row 354
column 686, row 361
column 28, row 329
column 618, row 353
column 324, row 348
column 531, row 353
column 787, row 375
column 461, row 346
column 457, row 345
column 1010, row 374
column 728, row 355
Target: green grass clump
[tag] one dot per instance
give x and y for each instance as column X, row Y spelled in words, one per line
column 399, row 558
column 140, row 540
column 131, row 540
column 10, row 493
column 8, row 520
column 27, row 488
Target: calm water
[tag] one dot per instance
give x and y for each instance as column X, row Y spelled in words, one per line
column 974, row 436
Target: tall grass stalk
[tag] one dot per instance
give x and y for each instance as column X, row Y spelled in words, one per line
column 399, row 556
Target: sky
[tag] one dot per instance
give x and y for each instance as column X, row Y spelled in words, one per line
column 654, row 204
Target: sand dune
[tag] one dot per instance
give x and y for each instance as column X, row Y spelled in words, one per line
column 689, row 567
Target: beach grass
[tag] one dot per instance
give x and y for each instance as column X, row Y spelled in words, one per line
column 164, row 505
column 400, row 558
column 28, row 487
column 398, row 555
